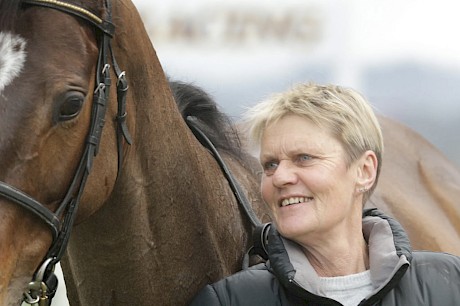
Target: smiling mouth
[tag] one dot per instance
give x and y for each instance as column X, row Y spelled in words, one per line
column 295, row 200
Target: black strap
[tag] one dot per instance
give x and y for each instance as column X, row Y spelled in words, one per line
column 122, row 128
column 259, row 244
column 236, row 188
column 260, row 240
column 105, row 25
column 99, row 107
column 69, row 205
column 32, row 205
column 260, row 232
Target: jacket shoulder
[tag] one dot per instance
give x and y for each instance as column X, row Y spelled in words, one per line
column 206, row 296
column 432, row 279
column 251, row 287
column 437, row 268
column 427, row 260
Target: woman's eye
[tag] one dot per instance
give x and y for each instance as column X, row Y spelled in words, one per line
column 304, row 158
column 270, row 167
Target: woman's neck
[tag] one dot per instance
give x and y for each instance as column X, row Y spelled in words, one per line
column 347, row 253
column 339, row 258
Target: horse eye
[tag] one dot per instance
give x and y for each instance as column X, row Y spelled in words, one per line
column 70, row 106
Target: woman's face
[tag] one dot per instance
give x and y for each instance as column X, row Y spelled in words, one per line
column 306, row 181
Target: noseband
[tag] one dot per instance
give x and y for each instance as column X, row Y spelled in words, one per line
column 61, row 221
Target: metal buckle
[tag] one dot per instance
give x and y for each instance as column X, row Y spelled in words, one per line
column 100, row 87
column 105, row 69
column 121, row 77
column 37, row 290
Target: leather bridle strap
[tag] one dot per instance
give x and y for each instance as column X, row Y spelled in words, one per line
column 61, row 221
column 122, row 128
column 69, row 205
column 236, row 188
column 105, row 25
column 27, row 202
column 260, row 231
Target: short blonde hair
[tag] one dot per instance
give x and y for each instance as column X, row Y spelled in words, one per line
column 342, row 111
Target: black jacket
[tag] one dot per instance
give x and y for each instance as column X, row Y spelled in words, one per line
column 399, row 276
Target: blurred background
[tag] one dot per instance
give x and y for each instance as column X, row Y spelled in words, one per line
column 404, row 56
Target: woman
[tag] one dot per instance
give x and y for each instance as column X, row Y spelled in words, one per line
column 321, row 150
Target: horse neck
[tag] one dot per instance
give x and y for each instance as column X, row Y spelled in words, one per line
column 171, row 221
column 170, row 226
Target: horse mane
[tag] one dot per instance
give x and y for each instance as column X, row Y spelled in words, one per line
column 216, row 125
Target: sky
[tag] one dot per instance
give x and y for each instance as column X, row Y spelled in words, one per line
column 374, row 30
column 404, row 56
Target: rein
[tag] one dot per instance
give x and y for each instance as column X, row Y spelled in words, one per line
column 43, row 286
column 260, row 233
column 236, row 188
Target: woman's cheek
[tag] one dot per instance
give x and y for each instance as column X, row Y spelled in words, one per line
column 266, row 188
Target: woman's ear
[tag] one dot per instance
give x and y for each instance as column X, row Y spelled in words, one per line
column 366, row 171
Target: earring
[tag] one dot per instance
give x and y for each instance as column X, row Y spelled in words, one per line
column 362, row 190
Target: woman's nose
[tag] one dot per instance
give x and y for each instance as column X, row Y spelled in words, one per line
column 284, row 174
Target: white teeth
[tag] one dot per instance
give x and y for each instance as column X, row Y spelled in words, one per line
column 295, row 200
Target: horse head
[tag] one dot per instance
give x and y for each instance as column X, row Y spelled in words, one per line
column 54, row 80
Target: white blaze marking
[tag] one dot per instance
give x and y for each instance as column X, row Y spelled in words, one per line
column 12, row 57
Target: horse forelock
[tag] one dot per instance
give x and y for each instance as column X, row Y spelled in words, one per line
column 8, row 13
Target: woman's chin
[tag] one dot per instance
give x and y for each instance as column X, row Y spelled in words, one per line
column 291, row 229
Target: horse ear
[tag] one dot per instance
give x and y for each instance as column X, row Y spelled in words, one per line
column 367, row 170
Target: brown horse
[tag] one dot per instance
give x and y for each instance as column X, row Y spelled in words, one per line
column 420, row 187
column 151, row 229
column 160, row 224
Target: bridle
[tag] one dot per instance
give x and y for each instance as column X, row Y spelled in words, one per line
column 44, row 284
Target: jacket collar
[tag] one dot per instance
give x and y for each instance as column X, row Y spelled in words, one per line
column 389, row 252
